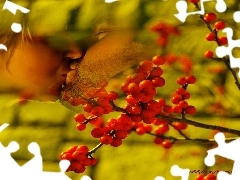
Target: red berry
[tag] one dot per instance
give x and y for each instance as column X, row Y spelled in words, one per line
column 148, row 127
column 116, row 142
column 149, row 120
column 158, row 60
column 133, row 109
column 162, row 128
column 158, row 140
column 158, row 81
column 147, row 113
column 154, row 106
column 87, row 108
column 161, row 101
column 146, row 85
column 72, row 149
column 124, row 87
column 79, row 156
column 156, row 72
column 93, row 161
column 208, row 54
column 137, row 78
column 177, row 109
column 86, row 162
column 179, row 125
column 200, row 177
column 79, row 118
column 81, row 126
column 211, row 36
column 181, row 81
column 106, row 139
column 113, row 124
column 146, row 66
column 186, row 95
column 97, row 110
column 143, row 97
column 140, row 130
column 112, row 95
column 210, row 17
column 107, row 109
column 121, row 134
column 219, row 25
column 190, row 79
column 210, row 177
column 167, row 144
column 82, row 149
column 194, row 1
column 223, row 40
column 136, row 118
column 130, row 99
column 183, row 104
column 133, row 88
column 167, row 109
column 106, row 130
column 97, row 132
column 67, row 156
column 102, row 102
column 180, row 91
column 190, row 110
column 176, row 99
column 77, row 167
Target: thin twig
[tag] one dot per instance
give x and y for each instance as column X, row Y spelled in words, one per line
column 201, row 125
column 224, row 59
column 95, row 149
column 202, row 140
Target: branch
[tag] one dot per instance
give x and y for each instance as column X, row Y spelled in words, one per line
column 190, row 139
column 224, row 59
column 201, row 125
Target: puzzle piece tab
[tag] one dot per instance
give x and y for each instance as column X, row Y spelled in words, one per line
column 236, row 16
column 182, row 9
column 177, row 171
column 222, row 51
column 33, row 169
column 228, row 150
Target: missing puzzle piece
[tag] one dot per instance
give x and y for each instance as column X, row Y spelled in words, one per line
column 222, row 51
column 228, row 150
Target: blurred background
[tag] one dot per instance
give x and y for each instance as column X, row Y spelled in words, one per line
column 215, row 95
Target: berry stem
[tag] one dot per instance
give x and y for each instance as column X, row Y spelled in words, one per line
column 181, row 133
column 198, row 124
column 93, row 150
column 117, row 108
column 179, row 139
column 224, row 59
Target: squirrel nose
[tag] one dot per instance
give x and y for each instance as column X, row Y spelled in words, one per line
column 73, row 65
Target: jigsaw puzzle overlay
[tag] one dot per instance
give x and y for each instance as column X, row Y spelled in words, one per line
column 15, row 27
column 33, row 169
column 227, row 150
column 220, row 7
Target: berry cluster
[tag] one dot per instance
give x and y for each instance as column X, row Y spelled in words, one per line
column 164, row 31
column 181, row 95
column 79, row 158
column 207, row 177
column 139, row 115
column 140, row 89
column 219, row 25
column 114, row 131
